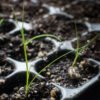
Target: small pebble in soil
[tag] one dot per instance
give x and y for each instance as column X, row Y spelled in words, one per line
column 52, row 98
column 53, row 93
column 82, row 63
column 2, row 81
column 73, row 73
column 18, row 96
column 42, row 53
column 4, row 96
column 48, row 73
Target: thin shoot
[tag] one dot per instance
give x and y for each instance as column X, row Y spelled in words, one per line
column 77, row 50
column 25, row 43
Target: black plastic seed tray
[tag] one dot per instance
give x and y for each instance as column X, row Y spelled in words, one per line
column 57, row 18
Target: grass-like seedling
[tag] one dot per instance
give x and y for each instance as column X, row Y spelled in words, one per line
column 77, row 50
column 25, row 43
column 82, row 48
column 72, row 71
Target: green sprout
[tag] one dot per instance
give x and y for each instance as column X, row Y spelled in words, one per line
column 25, row 43
column 65, row 54
column 77, row 50
column 82, row 48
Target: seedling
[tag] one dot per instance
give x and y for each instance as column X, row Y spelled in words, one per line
column 73, row 71
column 67, row 53
column 77, row 50
column 25, row 43
column 82, row 48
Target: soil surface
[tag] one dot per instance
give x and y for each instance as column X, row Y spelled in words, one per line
column 60, row 26
column 87, row 10
column 58, row 72
column 5, row 68
column 57, row 3
column 93, row 50
column 6, row 27
column 37, row 91
column 13, row 47
column 32, row 11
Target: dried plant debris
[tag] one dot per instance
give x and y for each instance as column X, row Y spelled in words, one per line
column 60, row 26
column 62, row 73
column 37, row 91
column 87, row 10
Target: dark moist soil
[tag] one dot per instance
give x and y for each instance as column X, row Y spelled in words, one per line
column 87, row 10
column 13, row 47
column 6, row 27
column 5, row 68
column 57, row 3
column 37, row 91
column 93, row 50
column 58, row 72
column 60, row 26
column 99, row 79
column 32, row 11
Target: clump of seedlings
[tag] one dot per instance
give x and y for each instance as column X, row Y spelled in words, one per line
column 72, row 71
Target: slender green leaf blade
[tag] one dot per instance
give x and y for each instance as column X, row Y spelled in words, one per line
column 40, row 36
column 50, row 64
column 77, row 50
column 83, row 47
